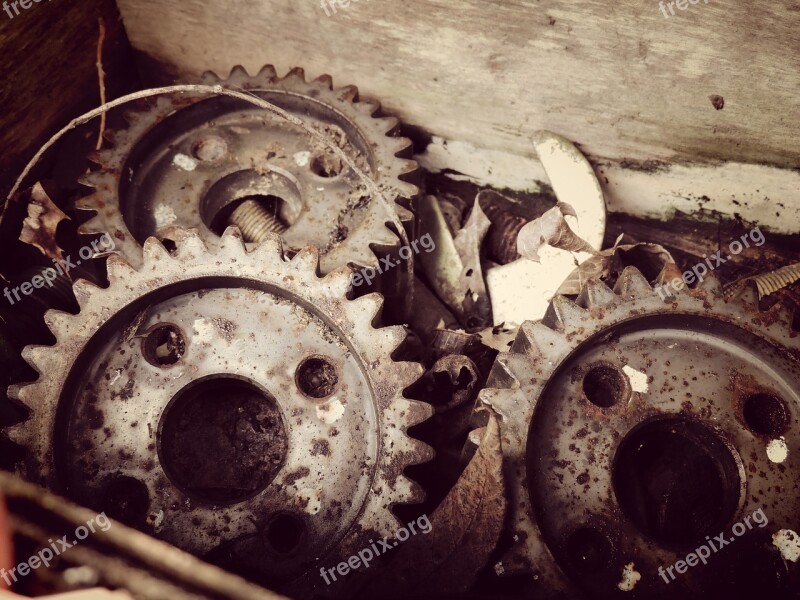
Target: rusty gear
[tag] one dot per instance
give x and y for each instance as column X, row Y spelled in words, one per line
column 635, row 429
column 200, row 162
column 302, row 462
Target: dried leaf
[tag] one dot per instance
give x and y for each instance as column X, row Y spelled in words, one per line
column 650, row 259
column 443, row 267
column 39, row 227
column 551, row 229
column 465, row 529
column 574, row 181
column 475, row 299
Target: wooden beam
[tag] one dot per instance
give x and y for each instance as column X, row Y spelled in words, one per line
column 618, row 77
column 48, row 60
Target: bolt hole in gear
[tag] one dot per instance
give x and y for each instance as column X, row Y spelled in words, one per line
column 634, row 429
column 207, row 163
column 177, row 400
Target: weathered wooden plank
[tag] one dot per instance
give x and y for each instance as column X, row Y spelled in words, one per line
column 616, row 76
column 48, row 64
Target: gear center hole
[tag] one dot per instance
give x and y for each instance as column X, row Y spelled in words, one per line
column 676, row 480
column 222, row 440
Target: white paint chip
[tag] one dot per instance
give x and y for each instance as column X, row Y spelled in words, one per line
column 204, row 331
column 185, row 162
column 630, row 577
column 788, row 543
column 777, row 450
column 164, row 216
column 331, row 411
column 302, row 159
column 308, row 499
column 638, row 379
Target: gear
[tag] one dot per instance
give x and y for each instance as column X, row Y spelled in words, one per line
column 205, row 163
column 635, row 429
column 303, row 460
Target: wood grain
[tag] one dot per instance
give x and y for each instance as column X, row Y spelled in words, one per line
column 613, row 75
column 48, row 61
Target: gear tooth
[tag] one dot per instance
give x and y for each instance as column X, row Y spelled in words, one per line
column 18, row 434
column 297, row 73
column 369, row 305
column 94, row 224
column 389, row 125
column 404, row 214
column 58, row 320
column 418, row 411
column 563, row 314
column 711, row 284
column 369, row 109
column 188, row 244
column 326, row 80
column 238, row 77
column 535, row 337
column 307, row 260
column 596, row 294
column 267, row 74
column 154, row 251
column 348, row 93
column 83, row 290
column 105, row 158
column 503, row 372
column 632, row 283
column 232, row 240
column 748, row 297
column 119, row 270
column 339, row 281
column 210, row 78
column 416, row 494
column 270, row 250
column 36, row 356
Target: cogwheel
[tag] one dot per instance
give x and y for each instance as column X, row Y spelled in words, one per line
column 635, row 429
column 301, row 463
column 206, row 163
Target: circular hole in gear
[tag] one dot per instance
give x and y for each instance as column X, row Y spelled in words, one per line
column 327, row 165
column 164, row 345
column 766, row 414
column 222, row 440
column 605, row 385
column 588, row 550
column 126, row 499
column 676, row 480
column 317, row 377
column 284, row 532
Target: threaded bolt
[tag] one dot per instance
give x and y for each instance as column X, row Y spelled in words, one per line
column 502, row 235
column 255, row 222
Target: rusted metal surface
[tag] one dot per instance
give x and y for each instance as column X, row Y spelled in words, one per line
column 633, row 428
column 189, row 162
column 305, row 458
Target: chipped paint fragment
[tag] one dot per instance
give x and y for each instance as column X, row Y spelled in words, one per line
column 302, row 159
column 638, row 379
column 777, row 450
column 185, row 162
column 630, row 577
column 331, row 411
column 788, row 543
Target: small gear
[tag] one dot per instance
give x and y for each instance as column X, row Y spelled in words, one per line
column 636, row 428
column 234, row 404
column 206, row 163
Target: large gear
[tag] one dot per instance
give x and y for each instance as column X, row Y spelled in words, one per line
column 187, row 161
column 302, row 463
column 633, row 427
